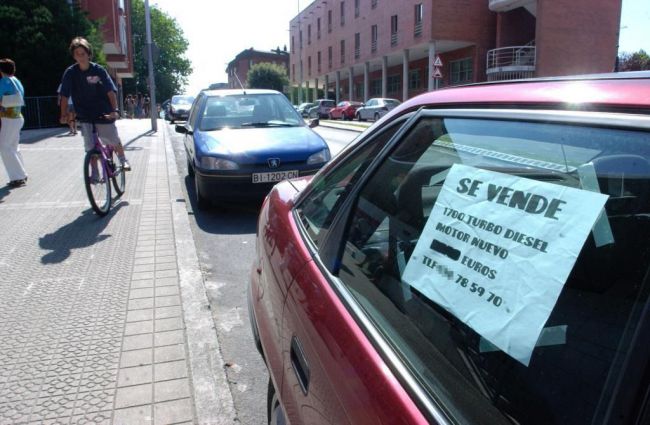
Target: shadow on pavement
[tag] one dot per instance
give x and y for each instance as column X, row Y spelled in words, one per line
column 83, row 232
column 36, row 135
column 140, row 136
column 225, row 217
column 4, row 191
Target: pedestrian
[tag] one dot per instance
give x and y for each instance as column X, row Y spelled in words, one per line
column 138, row 105
column 146, row 102
column 12, row 121
column 130, row 106
column 94, row 95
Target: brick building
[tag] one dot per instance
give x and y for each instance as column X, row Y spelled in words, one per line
column 249, row 57
column 383, row 48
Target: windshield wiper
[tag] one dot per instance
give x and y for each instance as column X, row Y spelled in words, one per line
column 267, row 124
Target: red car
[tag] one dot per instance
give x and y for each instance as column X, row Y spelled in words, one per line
column 478, row 256
column 344, row 110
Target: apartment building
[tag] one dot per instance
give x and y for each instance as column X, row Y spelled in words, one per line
column 357, row 49
column 238, row 67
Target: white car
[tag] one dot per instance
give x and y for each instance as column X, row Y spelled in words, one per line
column 375, row 108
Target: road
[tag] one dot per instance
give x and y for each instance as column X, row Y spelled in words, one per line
column 225, row 243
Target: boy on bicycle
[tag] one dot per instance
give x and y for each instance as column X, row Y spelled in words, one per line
column 93, row 94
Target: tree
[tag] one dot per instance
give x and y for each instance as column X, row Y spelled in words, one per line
column 36, row 35
column 267, row 76
column 638, row 61
column 171, row 68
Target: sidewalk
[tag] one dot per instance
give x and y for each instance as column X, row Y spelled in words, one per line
column 345, row 125
column 104, row 320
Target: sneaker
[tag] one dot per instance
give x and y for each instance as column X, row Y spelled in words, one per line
column 126, row 166
column 17, row 183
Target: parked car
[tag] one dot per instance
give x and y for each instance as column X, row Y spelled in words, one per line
column 179, row 108
column 165, row 109
column 375, row 108
column 321, row 108
column 240, row 143
column 480, row 257
column 344, row 110
column 303, row 109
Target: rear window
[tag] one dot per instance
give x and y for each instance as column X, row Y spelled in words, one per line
column 392, row 102
column 506, row 262
column 182, row 99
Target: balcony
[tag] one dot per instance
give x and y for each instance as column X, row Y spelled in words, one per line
column 417, row 31
column 393, row 39
column 508, row 5
column 511, row 63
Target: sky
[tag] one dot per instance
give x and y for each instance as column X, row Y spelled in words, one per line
column 217, row 30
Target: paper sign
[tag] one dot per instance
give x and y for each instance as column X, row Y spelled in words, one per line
column 497, row 250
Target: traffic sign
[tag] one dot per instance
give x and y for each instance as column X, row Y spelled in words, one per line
column 437, row 73
column 437, row 62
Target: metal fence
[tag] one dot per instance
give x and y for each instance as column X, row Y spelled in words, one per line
column 41, row 112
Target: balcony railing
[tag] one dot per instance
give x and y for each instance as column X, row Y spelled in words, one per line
column 357, row 52
column 393, row 39
column 417, row 31
column 373, row 46
column 513, row 62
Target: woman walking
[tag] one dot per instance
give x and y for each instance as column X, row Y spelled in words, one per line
column 12, row 122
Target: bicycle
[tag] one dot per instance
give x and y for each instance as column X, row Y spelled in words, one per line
column 101, row 165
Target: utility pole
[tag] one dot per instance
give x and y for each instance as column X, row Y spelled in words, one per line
column 153, row 109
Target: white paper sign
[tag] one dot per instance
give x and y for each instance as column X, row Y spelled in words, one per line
column 497, row 250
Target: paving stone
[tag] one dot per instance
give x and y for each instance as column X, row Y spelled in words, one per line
column 173, row 411
column 168, row 338
column 134, row 415
column 135, row 376
column 136, row 328
column 171, row 390
column 170, row 370
column 134, row 396
column 169, row 353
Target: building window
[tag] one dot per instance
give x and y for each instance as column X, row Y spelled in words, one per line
column 356, row 8
column 342, row 52
column 300, row 39
column 358, row 91
column 329, row 21
column 342, row 13
column 375, row 88
column 329, row 57
column 415, row 79
column 373, row 4
column 309, row 65
column 373, row 38
column 293, row 47
column 293, row 71
column 318, row 61
column 393, row 30
column 357, row 45
column 318, row 28
column 461, row 71
column 309, row 34
column 419, row 16
column 394, row 83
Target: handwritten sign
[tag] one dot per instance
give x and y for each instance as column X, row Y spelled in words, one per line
column 497, row 250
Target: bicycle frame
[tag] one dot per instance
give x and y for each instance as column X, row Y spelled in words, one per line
column 106, row 152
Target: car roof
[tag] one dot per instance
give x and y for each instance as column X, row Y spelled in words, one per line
column 598, row 91
column 234, row 92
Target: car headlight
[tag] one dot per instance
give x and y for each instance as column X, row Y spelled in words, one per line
column 211, row 163
column 318, row 157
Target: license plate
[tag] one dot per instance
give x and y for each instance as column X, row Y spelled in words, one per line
column 275, row 176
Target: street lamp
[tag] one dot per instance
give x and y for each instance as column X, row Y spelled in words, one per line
column 153, row 110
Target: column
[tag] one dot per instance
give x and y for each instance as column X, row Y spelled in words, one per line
column 405, row 75
column 327, row 87
column 384, row 76
column 316, row 89
column 307, row 91
column 338, row 87
column 366, row 79
column 432, row 57
column 351, row 83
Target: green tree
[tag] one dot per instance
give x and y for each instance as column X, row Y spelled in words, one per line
column 36, row 35
column 171, row 68
column 638, row 61
column 267, row 76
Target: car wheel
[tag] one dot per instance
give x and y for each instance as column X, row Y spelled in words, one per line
column 202, row 202
column 358, row 116
column 330, row 117
column 376, row 116
column 274, row 410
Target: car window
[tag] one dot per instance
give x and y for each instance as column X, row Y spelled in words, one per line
column 455, row 237
column 194, row 111
column 248, row 110
column 182, row 100
column 392, row 102
column 371, row 102
column 318, row 208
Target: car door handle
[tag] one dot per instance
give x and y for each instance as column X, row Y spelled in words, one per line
column 299, row 364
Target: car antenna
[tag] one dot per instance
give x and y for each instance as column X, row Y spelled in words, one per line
column 239, row 81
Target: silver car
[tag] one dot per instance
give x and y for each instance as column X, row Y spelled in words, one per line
column 375, row 108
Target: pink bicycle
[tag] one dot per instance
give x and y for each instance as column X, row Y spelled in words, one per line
column 101, row 165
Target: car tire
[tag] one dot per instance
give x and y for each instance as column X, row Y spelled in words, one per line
column 358, row 116
column 274, row 410
column 376, row 116
column 202, row 202
column 330, row 117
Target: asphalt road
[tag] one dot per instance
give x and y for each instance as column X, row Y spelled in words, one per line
column 225, row 241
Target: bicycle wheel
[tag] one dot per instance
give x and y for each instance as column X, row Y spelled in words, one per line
column 119, row 176
column 98, row 186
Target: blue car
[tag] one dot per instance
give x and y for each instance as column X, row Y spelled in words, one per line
column 239, row 143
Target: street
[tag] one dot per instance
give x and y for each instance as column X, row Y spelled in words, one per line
column 225, row 241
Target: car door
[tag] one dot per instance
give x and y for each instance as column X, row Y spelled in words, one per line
column 192, row 124
column 332, row 374
column 366, row 111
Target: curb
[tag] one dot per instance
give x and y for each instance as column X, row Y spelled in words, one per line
column 211, row 392
column 342, row 126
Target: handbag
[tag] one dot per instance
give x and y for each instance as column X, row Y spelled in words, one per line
column 12, row 100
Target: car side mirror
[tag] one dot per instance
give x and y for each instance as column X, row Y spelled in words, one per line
column 182, row 129
column 314, row 122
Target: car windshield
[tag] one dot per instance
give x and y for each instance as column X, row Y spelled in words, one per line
column 249, row 110
column 391, row 102
column 186, row 100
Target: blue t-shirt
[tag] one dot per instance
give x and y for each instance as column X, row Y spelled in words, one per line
column 88, row 90
column 7, row 87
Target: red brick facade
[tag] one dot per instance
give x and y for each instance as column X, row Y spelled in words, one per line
column 249, row 57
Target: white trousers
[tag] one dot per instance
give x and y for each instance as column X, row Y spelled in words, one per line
column 11, row 157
